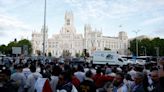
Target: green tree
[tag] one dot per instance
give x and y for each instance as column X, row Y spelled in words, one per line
column 105, row 48
column 38, row 52
column 132, row 47
column 82, row 54
column 26, row 42
column 66, row 53
column 157, row 42
column 9, row 47
column 77, row 54
column 145, row 46
column 49, row 54
column 3, row 49
column 149, row 45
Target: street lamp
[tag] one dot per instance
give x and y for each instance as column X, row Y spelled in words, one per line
column 136, row 42
column 157, row 53
column 145, row 53
column 44, row 28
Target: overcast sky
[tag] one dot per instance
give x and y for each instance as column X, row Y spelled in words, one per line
column 19, row 18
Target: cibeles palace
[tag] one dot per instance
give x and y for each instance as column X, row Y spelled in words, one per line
column 69, row 40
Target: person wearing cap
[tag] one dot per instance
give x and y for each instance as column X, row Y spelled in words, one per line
column 6, row 84
column 19, row 77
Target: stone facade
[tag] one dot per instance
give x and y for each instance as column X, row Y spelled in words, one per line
column 69, row 40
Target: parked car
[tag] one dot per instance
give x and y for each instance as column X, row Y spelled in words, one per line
column 131, row 61
column 140, row 62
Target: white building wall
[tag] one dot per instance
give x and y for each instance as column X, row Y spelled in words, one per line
column 68, row 39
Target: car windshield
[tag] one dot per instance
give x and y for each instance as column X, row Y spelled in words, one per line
column 119, row 59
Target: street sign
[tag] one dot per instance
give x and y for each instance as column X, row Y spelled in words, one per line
column 16, row 50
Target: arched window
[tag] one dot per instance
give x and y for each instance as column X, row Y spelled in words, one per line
column 68, row 22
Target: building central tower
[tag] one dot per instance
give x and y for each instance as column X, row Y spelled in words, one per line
column 68, row 27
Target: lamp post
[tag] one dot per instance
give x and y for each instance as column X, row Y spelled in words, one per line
column 145, row 53
column 157, row 53
column 136, row 42
column 44, row 28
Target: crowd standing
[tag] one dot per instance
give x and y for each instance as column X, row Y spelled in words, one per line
column 55, row 76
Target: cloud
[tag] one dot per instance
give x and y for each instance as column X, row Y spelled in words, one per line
column 7, row 36
column 8, row 23
column 100, row 9
column 11, row 28
column 159, row 31
column 7, row 2
column 2, row 34
column 153, row 21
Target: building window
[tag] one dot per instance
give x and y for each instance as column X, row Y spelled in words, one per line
column 98, row 43
column 92, row 43
column 68, row 22
column 56, row 53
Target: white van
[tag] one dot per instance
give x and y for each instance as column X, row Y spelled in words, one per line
column 107, row 57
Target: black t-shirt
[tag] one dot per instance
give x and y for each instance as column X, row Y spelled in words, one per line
column 9, row 87
column 161, row 84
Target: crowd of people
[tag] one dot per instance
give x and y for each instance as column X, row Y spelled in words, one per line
column 54, row 76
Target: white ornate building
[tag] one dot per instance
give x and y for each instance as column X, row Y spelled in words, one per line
column 69, row 40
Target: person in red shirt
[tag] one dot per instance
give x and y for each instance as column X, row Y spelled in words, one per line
column 75, row 81
column 100, row 79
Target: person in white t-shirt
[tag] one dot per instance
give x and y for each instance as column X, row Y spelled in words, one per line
column 32, row 78
column 19, row 77
column 26, row 71
column 55, row 77
column 80, row 73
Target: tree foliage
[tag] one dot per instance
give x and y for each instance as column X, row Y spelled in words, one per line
column 8, row 49
column 77, row 54
column 2, row 49
column 49, row 54
column 147, row 46
column 105, row 48
column 66, row 53
column 27, row 43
